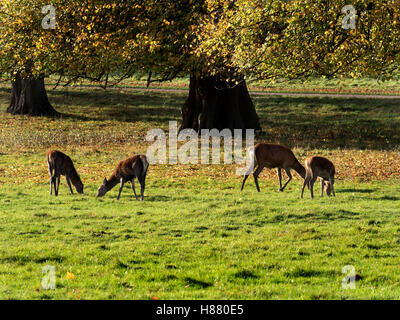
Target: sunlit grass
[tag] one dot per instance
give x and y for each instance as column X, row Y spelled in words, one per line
column 201, row 239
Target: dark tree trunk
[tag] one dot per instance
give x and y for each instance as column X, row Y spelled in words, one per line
column 211, row 104
column 28, row 96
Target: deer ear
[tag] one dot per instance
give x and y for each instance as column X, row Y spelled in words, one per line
column 104, row 181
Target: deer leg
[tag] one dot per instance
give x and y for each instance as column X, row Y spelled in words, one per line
column 244, row 180
column 306, row 180
column 56, row 182
column 55, row 185
column 122, row 181
column 309, row 180
column 52, row 183
column 69, row 183
column 289, row 178
column 51, row 180
column 331, row 183
column 54, row 179
column 312, row 186
column 248, row 172
column 255, row 175
column 144, row 184
column 133, row 187
column 279, row 172
column 322, row 187
column 142, row 180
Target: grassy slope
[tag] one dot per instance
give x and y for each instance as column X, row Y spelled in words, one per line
column 196, row 235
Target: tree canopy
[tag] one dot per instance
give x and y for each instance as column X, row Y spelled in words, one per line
column 258, row 38
column 95, row 38
column 268, row 38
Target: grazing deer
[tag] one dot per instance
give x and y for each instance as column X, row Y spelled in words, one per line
column 126, row 170
column 60, row 164
column 273, row 156
column 319, row 167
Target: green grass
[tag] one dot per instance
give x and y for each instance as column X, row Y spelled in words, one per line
column 196, row 236
column 185, row 241
column 336, row 85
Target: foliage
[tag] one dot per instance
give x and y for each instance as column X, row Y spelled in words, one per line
column 259, row 38
column 269, row 39
column 95, row 38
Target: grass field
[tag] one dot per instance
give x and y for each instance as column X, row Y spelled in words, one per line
column 196, row 236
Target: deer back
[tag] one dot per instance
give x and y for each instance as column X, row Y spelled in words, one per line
column 273, row 155
column 320, row 166
column 130, row 168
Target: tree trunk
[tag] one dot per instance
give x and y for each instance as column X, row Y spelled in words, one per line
column 211, row 104
column 28, row 96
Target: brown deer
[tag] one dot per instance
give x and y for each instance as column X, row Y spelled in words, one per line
column 273, row 156
column 126, row 170
column 319, row 167
column 60, row 164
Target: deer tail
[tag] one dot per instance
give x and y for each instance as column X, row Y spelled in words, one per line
column 51, row 164
column 251, row 161
column 145, row 163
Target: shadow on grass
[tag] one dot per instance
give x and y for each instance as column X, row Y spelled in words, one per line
column 307, row 217
column 99, row 105
column 197, row 283
column 309, row 273
column 387, row 198
column 310, row 122
column 22, row 260
column 245, row 274
column 157, row 198
column 325, row 122
column 358, row 190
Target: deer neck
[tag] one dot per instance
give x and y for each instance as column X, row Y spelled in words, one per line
column 298, row 167
column 75, row 179
column 111, row 182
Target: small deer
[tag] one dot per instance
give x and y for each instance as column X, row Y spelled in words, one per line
column 273, row 156
column 126, row 170
column 60, row 164
column 319, row 167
